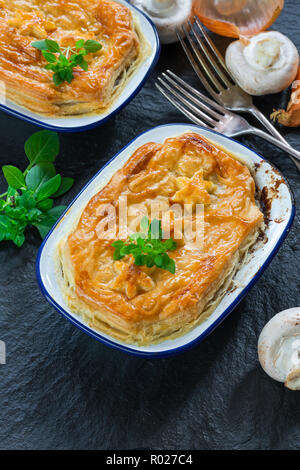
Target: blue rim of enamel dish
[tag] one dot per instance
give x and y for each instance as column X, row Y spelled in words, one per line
column 227, row 311
column 101, row 121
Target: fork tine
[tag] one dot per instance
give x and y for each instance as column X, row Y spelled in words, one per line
column 189, row 105
column 184, row 111
column 217, row 107
column 210, row 111
column 209, row 57
column 195, row 66
column 202, row 62
column 214, row 49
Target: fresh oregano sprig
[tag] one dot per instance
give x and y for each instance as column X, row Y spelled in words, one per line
column 29, row 197
column 62, row 60
column 147, row 247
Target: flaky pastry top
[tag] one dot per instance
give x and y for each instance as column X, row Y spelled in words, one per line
column 184, row 169
column 22, row 66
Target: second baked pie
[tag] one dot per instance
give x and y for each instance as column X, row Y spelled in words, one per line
column 65, row 21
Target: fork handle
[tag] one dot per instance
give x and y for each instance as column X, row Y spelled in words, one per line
column 269, row 126
column 278, row 143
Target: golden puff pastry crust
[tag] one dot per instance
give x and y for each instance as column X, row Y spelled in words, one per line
column 148, row 305
column 22, row 66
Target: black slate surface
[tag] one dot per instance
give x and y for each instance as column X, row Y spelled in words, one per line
column 60, row 389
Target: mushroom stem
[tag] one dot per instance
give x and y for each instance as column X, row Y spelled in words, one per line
column 160, row 8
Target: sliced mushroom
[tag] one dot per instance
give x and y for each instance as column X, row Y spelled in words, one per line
column 167, row 15
column 264, row 64
column 279, row 348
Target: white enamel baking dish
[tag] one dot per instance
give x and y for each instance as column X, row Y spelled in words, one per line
column 81, row 123
column 281, row 217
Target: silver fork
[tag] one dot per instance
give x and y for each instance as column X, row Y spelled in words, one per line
column 207, row 113
column 216, row 78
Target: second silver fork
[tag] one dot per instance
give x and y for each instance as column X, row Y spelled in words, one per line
column 210, row 67
column 207, row 113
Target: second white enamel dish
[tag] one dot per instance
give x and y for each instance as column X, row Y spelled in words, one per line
column 281, row 216
column 85, row 122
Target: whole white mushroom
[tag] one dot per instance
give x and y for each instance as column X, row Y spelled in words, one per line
column 279, row 348
column 264, row 64
column 167, row 15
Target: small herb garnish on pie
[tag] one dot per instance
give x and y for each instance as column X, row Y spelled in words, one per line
column 147, row 247
column 62, row 60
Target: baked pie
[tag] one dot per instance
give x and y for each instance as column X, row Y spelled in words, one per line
column 146, row 305
column 22, row 71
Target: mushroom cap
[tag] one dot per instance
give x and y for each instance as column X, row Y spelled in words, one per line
column 169, row 19
column 279, row 347
column 264, row 64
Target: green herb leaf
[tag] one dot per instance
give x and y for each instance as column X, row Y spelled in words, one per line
column 117, row 255
column 39, row 174
column 117, row 244
column 139, row 260
column 45, row 224
column 149, row 261
column 66, row 184
column 79, row 43
column 158, row 260
column 8, row 228
column 69, row 76
column 56, row 211
column 49, row 188
column 63, row 60
column 45, row 205
column 50, row 67
column 33, row 215
column 92, row 46
column 19, row 239
column 76, row 59
column 11, row 192
column 16, row 213
column 40, row 45
column 84, row 65
column 14, row 176
column 4, row 227
column 42, row 146
column 27, row 200
column 57, row 79
column 170, row 244
column 49, row 57
column 170, row 266
column 52, row 46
